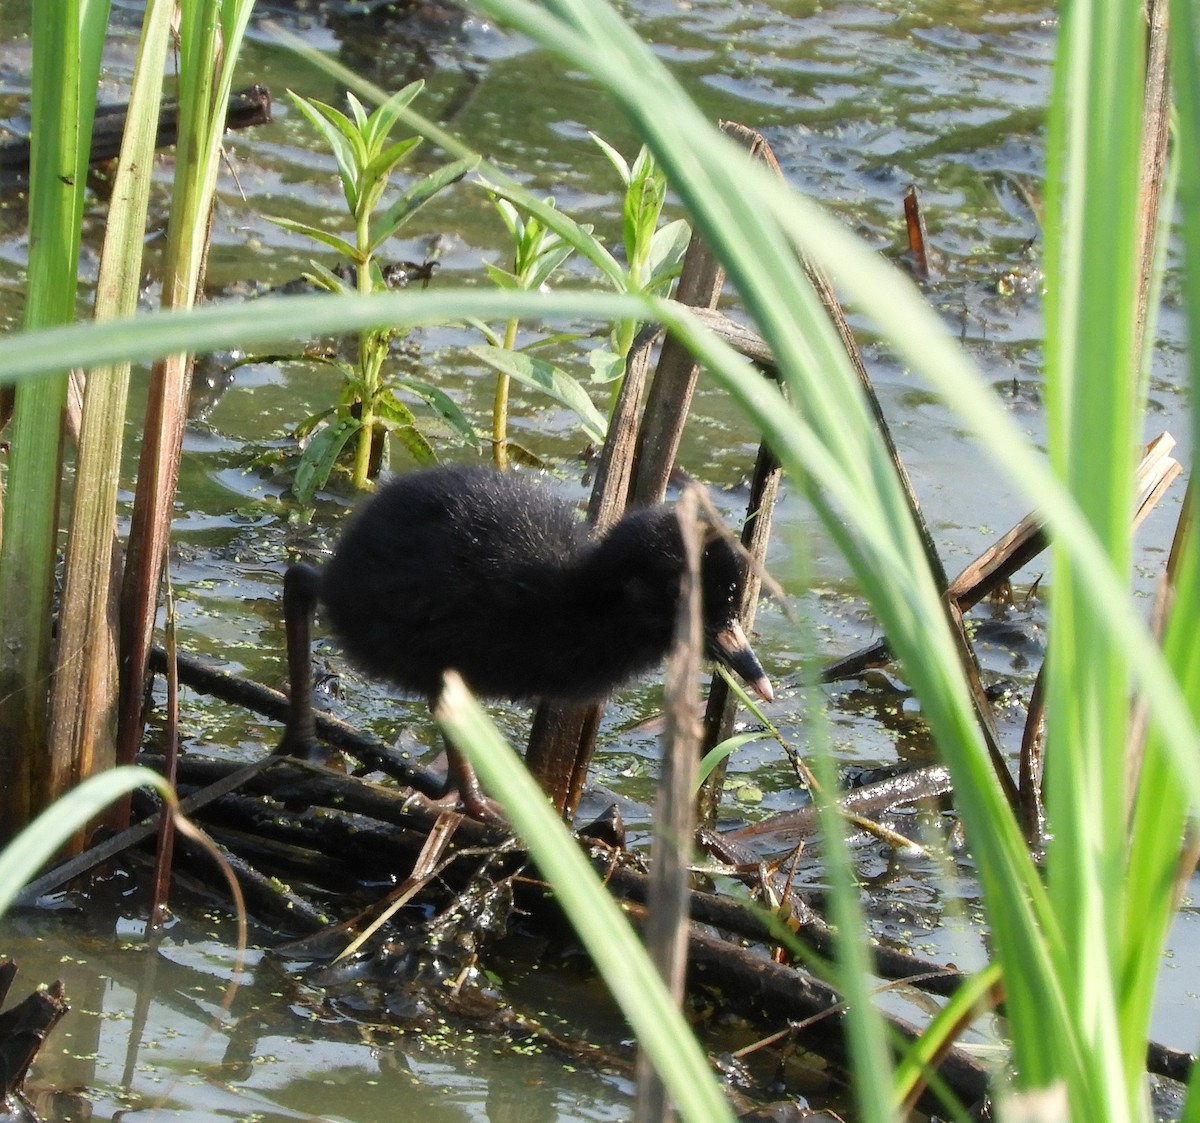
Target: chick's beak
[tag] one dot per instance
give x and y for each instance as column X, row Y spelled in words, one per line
column 731, row 647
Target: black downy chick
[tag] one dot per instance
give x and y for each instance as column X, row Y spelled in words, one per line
column 490, row 575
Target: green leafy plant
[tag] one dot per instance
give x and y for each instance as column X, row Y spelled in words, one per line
column 369, row 405
column 543, row 239
column 538, row 252
column 653, row 252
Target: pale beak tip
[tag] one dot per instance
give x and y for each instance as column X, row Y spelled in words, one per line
column 762, row 687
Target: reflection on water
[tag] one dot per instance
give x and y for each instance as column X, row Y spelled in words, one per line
column 148, row 1037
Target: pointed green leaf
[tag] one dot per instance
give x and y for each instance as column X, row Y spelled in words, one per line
column 342, row 126
column 328, row 279
column 491, row 336
column 342, row 139
column 533, row 236
column 382, row 165
column 551, row 380
column 417, row 195
column 347, row 372
column 643, row 205
column 607, row 366
column 392, row 411
column 310, row 423
column 445, row 407
column 502, row 278
column 548, row 262
column 645, row 166
column 618, row 161
column 667, row 248
column 725, row 749
column 369, row 194
column 360, row 115
column 326, row 239
column 414, row 440
column 386, row 115
column 580, row 237
column 320, row 455
column 510, row 216
column 555, row 340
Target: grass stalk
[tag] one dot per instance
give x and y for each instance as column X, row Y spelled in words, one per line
column 1096, row 867
column 210, row 36
column 67, row 41
column 84, row 690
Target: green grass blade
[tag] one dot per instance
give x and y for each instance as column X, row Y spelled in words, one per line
column 67, row 41
column 43, row 837
column 611, row 943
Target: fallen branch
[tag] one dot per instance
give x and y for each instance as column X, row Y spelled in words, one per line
column 248, row 107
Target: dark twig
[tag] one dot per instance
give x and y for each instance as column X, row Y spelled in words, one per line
column 720, row 711
column 371, row 751
column 248, row 107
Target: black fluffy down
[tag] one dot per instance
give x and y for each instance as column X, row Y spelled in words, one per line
column 483, row 572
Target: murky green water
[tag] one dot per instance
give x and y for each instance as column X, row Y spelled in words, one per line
column 859, row 101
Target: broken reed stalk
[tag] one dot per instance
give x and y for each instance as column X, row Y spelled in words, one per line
column 914, row 222
column 667, row 407
column 970, row 665
column 720, row 719
column 83, row 693
column 1156, row 124
column 24, row 1028
column 562, row 737
column 208, row 54
column 674, row 813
